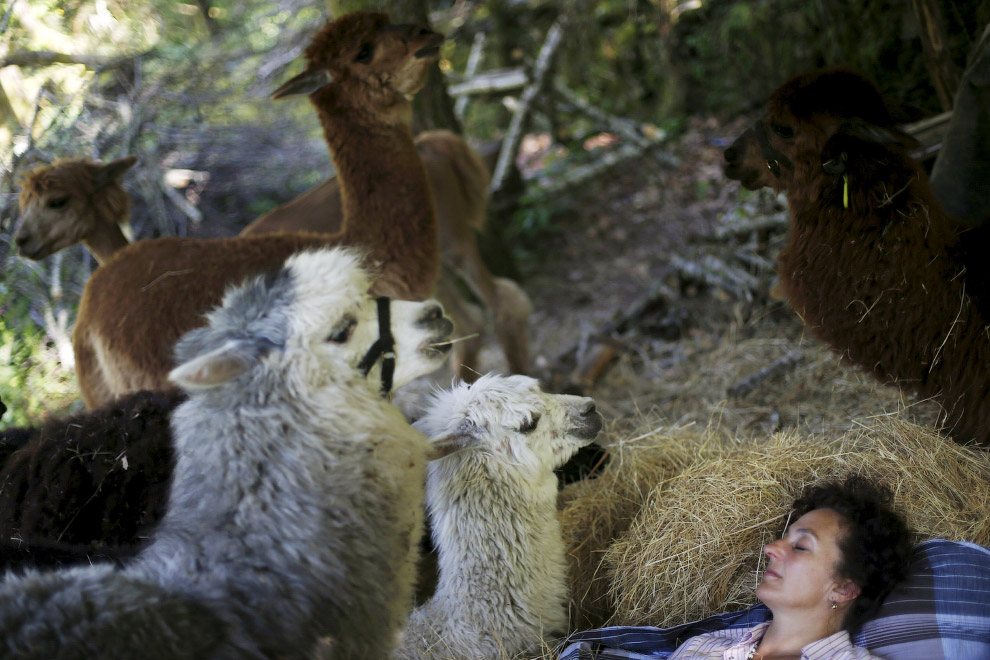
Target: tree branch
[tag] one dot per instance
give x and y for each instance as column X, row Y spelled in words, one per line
column 514, row 134
column 32, row 58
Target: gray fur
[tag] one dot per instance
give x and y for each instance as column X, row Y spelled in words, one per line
column 493, row 508
column 295, row 508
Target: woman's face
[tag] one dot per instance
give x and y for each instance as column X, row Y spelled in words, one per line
column 800, row 572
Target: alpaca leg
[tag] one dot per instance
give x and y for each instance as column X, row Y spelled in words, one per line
column 468, row 318
column 512, row 310
column 92, row 385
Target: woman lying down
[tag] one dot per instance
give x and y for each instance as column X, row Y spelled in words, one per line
column 842, row 553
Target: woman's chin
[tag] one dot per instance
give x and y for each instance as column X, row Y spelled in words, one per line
column 763, row 592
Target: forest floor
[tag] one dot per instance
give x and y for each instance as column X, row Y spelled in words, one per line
column 615, row 244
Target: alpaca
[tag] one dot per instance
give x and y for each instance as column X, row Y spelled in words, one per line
column 95, row 484
column 458, row 182
column 296, row 501
column 363, row 71
column 873, row 265
column 492, row 500
column 74, row 200
column 77, row 200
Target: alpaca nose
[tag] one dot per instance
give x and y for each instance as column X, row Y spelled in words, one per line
column 22, row 238
column 589, row 409
column 432, row 312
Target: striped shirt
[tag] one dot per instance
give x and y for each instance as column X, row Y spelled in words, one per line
column 737, row 644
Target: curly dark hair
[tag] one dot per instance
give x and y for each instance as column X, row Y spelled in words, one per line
column 875, row 543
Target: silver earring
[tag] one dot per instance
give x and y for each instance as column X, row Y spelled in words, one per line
column 835, row 606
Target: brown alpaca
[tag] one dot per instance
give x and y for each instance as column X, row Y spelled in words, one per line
column 75, row 200
column 361, row 71
column 459, row 182
column 873, row 265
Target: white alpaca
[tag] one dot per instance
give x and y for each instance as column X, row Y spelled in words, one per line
column 492, row 501
column 296, row 502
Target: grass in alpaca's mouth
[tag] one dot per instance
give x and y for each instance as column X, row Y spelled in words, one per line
column 445, row 345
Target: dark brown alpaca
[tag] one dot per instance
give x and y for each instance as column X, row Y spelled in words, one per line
column 873, row 265
column 362, row 71
column 92, row 485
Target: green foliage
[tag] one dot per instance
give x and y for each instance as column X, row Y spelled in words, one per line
column 33, row 380
column 533, row 226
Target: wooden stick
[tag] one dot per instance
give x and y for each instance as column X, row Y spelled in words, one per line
column 775, row 369
column 474, row 59
column 513, row 135
column 495, row 81
column 30, row 58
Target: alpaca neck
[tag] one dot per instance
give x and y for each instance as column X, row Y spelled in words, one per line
column 106, row 241
column 891, row 251
column 504, row 536
column 212, row 510
column 385, row 198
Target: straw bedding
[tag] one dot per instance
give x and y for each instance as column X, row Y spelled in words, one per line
column 672, row 529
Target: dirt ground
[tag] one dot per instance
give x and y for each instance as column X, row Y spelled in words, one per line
column 618, row 243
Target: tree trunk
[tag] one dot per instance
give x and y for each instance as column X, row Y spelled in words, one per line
column 945, row 74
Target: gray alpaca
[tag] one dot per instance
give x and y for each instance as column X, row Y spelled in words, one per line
column 297, row 496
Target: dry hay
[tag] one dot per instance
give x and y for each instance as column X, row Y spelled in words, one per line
column 687, row 381
column 594, row 512
column 695, row 547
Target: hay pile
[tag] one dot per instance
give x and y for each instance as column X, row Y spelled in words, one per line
column 594, row 512
column 690, row 545
column 689, row 381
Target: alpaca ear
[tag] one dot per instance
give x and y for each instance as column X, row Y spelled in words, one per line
column 113, row 171
column 217, row 367
column 887, row 135
column 464, row 437
column 307, row 82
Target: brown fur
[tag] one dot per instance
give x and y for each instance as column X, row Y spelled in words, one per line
column 881, row 281
column 74, row 200
column 458, row 181
column 150, row 293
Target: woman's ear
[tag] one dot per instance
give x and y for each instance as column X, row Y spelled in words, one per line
column 845, row 591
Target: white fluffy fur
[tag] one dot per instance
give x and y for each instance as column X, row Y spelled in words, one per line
column 492, row 503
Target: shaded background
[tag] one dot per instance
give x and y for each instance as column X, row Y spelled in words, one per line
column 184, row 86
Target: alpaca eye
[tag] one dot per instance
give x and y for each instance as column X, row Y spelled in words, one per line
column 58, row 202
column 364, row 55
column 531, row 425
column 782, row 130
column 342, row 332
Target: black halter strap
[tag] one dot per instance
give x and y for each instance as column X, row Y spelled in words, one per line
column 384, row 348
column 773, row 157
